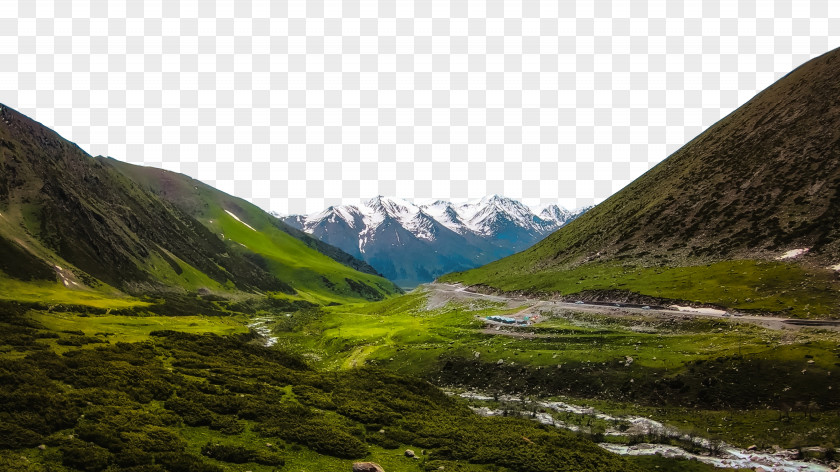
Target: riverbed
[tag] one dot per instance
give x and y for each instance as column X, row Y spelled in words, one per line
column 729, row 456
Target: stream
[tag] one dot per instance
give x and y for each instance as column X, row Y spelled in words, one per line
column 260, row 326
column 730, row 456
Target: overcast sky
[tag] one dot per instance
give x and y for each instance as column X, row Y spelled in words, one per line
column 300, row 104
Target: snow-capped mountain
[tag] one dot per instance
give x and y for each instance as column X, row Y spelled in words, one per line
column 412, row 244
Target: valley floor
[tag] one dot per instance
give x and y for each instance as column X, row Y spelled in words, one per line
column 744, row 380
column 714, row 383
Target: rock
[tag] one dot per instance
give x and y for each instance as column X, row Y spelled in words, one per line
column 500, row 362
column 628, row 360
column 476, row 354
column 367, row 467
column 752, row 448
column 42, row 447
column 409, row 453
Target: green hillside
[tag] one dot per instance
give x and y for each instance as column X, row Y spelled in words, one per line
column 76, row 229
column 761, row 182
column 288, row 253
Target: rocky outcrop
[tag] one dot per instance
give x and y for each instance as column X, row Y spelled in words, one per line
column 367, row 467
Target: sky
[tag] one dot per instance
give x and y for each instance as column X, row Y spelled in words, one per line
column 300, row 104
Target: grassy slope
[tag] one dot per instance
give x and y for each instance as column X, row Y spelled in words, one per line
column 67, row 216
column 294, row 260
column 762, row 181
column 296, row 264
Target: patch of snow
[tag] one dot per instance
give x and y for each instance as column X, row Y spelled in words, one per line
column 446, row 214
column 421, row 226
column 793, row 253
column 65, row 279
column 237, row 219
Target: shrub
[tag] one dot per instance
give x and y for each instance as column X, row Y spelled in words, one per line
column 84, row 456
column 13, row 436
column 181, row 462
column 240, row 455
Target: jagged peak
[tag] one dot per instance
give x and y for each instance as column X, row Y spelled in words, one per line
column 479, row 217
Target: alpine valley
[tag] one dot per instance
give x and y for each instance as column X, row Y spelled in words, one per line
column 412, row 244
column 151, row 323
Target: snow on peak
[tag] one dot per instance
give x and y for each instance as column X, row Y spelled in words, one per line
column 495, row 211
column 483, row 217
column 555, row 213
column 378, row 209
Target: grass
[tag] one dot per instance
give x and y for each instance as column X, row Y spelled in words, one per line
column 774, row 287
column 134, row 329
column 56, row 293
column 189, row 278
column 351, row 335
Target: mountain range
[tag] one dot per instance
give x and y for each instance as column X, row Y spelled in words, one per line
column 412, row 244
column 95, row 224
column 746, row 215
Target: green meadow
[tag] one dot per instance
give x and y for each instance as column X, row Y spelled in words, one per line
column 56, row 293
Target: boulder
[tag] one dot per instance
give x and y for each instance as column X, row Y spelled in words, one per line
column 367, row 467
column 409, row 453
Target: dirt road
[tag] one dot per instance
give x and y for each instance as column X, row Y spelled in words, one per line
column 440, row 294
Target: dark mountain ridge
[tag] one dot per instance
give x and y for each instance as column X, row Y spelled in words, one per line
column 762, row 184
column 66, row 216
